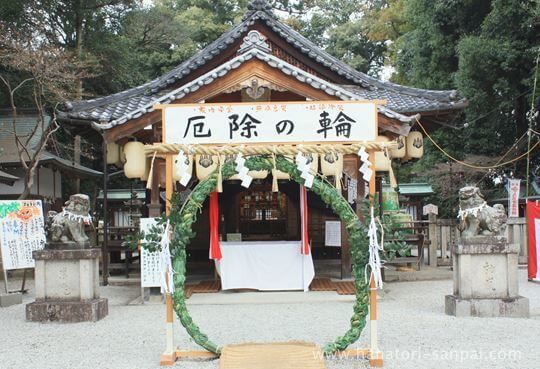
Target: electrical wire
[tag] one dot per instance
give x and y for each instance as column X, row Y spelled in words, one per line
column 472, row 165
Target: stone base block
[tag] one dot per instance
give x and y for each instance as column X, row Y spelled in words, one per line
column 511, row 308
column 10, row 299
column 67, row 312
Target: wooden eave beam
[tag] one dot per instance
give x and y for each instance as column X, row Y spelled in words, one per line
column 250, row 69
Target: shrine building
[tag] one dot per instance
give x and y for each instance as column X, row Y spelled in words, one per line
column 268, row 66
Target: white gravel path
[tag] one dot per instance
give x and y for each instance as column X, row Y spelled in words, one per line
column 414, row 332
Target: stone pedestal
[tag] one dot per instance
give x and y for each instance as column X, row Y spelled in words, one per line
column 9, row 299
column 67, row 287
column 485, row 279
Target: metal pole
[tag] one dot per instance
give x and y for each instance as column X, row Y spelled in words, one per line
column 5, row 272
column 104, row 250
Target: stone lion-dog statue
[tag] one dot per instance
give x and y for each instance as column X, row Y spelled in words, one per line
column 478, row 218
column 68, row 226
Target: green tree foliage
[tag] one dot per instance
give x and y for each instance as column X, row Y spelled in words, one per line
column 486, row 49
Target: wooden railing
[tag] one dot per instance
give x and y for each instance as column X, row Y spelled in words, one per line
column 443, row 233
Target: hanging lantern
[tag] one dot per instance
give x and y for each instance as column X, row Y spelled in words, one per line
column 401, row 149
column 113, row 153
column 331, row 163
column 415, row 145
column 382, row 161
column 177, row 173
column 227, row 159
column 135, row 166
column 283, row 175
column 205, row 165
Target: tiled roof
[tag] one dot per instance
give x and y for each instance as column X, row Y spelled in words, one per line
column 25, row 125
column 331, row 89
column 118, row 108
column 405, row 102
column 7, row 178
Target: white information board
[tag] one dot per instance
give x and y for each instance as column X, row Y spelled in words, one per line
column 332, row 233
column 150, row 261
column 21, row 232
column 280, row 122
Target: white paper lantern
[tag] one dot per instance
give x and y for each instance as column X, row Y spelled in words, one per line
column 177, row 174
column 331, row 163
column 382, row 161
column 415, row 145
column 113, row 153
column 135, row 166
column 205, row 165
column 401, row 149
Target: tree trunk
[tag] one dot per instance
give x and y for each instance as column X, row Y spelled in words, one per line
column 78, row 42
column 28, row 183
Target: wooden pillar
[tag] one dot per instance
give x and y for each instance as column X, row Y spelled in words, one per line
column 375, row 357
column 433, row 238
column 104, row 246
column 169, row 356
column 154, row 208
column 77, row 159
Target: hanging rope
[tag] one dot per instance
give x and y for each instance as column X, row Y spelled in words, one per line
column 163, row 148
column 472, row 165
column 166, row 266
column 374, row 264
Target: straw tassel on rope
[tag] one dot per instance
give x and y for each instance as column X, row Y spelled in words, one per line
column 219, row 185
column 337, row 171
column 151, row 173
column 275, row 187
column 391, row 174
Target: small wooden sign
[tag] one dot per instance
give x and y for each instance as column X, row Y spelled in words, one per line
column 332, row 233
column 430, row 209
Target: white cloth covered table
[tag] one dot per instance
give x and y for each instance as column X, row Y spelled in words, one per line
column 265, row 266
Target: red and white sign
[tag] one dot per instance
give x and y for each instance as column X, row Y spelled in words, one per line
column 513, row 198
column 533, row 226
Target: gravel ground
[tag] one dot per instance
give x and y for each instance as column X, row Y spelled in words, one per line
column 414, row 331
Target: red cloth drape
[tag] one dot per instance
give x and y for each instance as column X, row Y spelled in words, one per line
column 215, row 248
column 304, row 220
column 533, row 217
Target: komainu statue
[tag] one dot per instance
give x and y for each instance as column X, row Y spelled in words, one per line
column 476, row 217
column 67, row 227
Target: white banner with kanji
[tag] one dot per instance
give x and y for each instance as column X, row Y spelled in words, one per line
column 150, row 261
column 279, row 122
column 513, row 198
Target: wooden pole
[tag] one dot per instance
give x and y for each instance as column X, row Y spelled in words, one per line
column 375, row 357
column 169, row 356
column 77, row 159
column 5, row 272
column 104, row 249
column 433, row 239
